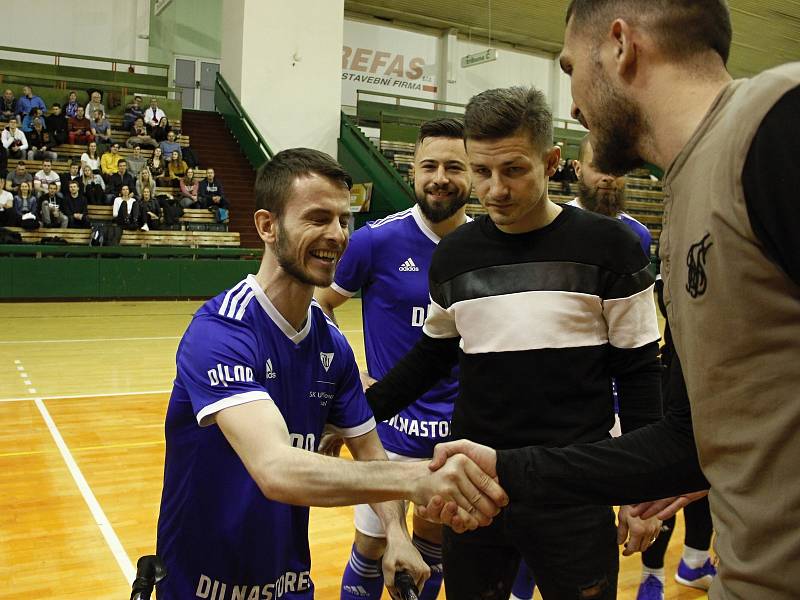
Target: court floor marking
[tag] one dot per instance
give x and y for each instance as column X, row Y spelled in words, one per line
column 125, row 564
column 92, row 395
column 120, row 339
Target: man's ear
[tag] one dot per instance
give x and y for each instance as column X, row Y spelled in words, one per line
column 626, row 50
column 576, row 164
column 551, row 160
column 266, row 226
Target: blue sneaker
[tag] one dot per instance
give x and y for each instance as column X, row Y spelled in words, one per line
column 651, row 589
column 697, row 578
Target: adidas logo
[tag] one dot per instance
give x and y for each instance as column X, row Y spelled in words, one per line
column 356, row 590
column 409, row 265
column 271, row 374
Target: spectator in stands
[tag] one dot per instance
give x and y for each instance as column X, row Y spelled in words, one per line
column 79, row 128
column 40, row 142
column 109, row 161
column 212, row 196
column 71, row 107
column 139, row 136
column 93, row 186
column 123, row 212
column 101, row 128
column 44, row 178
column 157, row 164
column 28, row 102
column 27, row 120
column 76, row 207
column 17, row 177
column 14, row 141
column 8, row 216
column 91, row 158
column 170, row 145
column 160, row 132
column 57, row 124
column 153, row 115
column 133, row 112
column 95, row 104
column 73, row 174
column 148, row 212
column 25, row 206
column 145, row 181
column 8, row 106
column 189, row 190
column 176, row 169
column 118, row 180
column 52, row 207
column 3, row 164
column 136, row 162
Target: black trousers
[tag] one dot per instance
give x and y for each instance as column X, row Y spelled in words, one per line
column 571, row 550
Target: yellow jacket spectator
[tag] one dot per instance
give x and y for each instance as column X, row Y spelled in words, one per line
column 109, row 160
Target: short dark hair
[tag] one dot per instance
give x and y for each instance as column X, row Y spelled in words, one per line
column 55, row 104
column 441, row 128
column 122, row 161
column 502, row 112
column 682, row 28
column 275, row 179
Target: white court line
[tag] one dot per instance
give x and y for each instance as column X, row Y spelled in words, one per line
column 122, row 339
column 99, row 516
column 77, row 396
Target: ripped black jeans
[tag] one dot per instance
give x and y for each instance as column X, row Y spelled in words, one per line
column 571, row 550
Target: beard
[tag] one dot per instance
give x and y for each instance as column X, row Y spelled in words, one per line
column 605, row 202
column 436, row 213
column 283, row 250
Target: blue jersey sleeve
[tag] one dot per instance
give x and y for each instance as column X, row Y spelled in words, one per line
column 355, row 267
column 350, row 413
column 217, row 367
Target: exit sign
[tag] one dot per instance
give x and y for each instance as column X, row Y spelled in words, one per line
column 470, row 60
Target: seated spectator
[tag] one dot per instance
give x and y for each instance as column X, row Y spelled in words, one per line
column 8, row 216
column 17, row 177
column 73, row 174
column 93, row 186
column 133, row 111
column 109, row 161
column 176, row 168
column 140, row 137
column 71, row 107
column 101, row 128
column 79, row 129
column 153, row 115
column 119, row 179
column 189, row 190
column 145, row 181
column 40, row 143
column 27, row 120
column 3, row 164
column 148, row 212
column 169, row 145
column 212, row 197
column 123, row 211
column 157, row 164
column 28, row 102
column 95, row 104
column 45, row 177
column 76, row 207
column 136, row 162
column 8, row 106
column 91, row 158
column 57, row 124
column 25, row 206
column 161, row 131
column 52, row 207
column 14, row 141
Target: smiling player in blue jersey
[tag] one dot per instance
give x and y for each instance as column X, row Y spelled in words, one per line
column 260, row 371
column 388, row 261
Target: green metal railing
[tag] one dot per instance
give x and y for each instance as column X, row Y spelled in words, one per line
column 241, row 125
column 57, row 56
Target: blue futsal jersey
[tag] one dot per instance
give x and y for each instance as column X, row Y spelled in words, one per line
column 220, row 537
column 388, row 260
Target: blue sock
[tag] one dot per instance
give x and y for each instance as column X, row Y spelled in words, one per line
column 524, row 583
column 362, row 579
column 432, row 555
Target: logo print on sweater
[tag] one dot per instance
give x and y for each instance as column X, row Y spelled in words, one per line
column 697, row 282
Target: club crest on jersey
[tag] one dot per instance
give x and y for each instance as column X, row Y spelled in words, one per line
column 409, row 266
column 326, row 358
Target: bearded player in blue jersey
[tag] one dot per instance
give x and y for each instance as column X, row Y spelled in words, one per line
column 388, row 261
column 260, row 371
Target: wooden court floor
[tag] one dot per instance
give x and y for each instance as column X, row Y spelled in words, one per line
column 83, row 392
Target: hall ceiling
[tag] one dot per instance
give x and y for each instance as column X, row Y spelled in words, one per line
column 766, row 32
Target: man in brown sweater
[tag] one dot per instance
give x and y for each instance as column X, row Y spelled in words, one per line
column 649, row 80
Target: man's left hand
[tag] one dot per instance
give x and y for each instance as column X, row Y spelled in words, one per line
column 639, row 533
column 401, row 555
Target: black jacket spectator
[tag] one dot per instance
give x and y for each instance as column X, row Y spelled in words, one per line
column 209, row 189
column 116, row 181
column 57, row 125
column 79, row 205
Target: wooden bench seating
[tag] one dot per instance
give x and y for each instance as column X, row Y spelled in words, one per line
column 62, row 166
column 137, row 238
column 190, row 215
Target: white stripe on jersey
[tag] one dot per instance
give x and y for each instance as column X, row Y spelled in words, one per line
column 231, row 291
column 243, row 305
column 235, row 301
column 395, row 217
